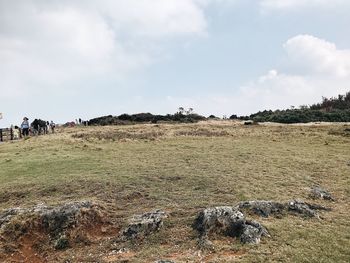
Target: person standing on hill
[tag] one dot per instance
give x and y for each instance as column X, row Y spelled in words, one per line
column 25, row 127
column 52, row 126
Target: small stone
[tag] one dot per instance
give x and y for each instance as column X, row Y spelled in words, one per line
column 263, row 208
column 228, row 221
column 305, row 209
column 250, row 235
column 320, row 193
column 252, row 232
column 145, row 224
column 224, row 219
column 61, row 243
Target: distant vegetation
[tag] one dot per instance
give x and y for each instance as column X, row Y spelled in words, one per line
column 182, row 117
column 335, row 109
column 329, row 110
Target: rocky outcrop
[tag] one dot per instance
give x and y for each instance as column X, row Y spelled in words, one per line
column 252, row 232
column 317, row 192
column 224, row 219
column 263, row 208
column 8, row 214
column 144, row 224
column 54, row 218
column 267, row 208
column 227, row 221
column 302, row 208
column 58, row 225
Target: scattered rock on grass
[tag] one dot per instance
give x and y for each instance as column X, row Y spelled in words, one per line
column 320, row 193
column 8, row 214
column 263, row 208
column 53, row 226
column 145, row 224
column 228, row 221
column 252, row 232
column 305, row 209
column 267, row 208
column 224, row 219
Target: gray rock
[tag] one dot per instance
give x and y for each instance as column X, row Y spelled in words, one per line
column 228, row 221
column 7, row 215
column 252, row 232
column 56, row 222
column 250, row 235
column 320, row 193
column 224, row 219
column 164, row 261
column 305, row 209
column 267, row 208
column 61, row 243
column 52, row 217
column 263, row 208
column 145, row 224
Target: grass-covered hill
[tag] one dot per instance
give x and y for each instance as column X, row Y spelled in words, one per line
column 181, row 169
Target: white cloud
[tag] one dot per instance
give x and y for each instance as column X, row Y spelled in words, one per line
column 317, row 68
column 46, row 44
column 325, row 71
column 270, row 5
column 318, row 56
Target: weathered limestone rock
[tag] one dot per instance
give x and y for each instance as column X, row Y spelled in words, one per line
column 267, row 208
column 228, row 221
column 252, row 232
column 305, row 209
column 57, row 223
column 263, row 208
column 7, row 215
column 145, row 224
column 224, row 219
column 53, row 218
column 320, row 193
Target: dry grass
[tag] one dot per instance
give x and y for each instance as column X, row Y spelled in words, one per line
column 182, row 169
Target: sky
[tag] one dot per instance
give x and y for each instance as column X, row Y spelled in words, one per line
column 66, row 59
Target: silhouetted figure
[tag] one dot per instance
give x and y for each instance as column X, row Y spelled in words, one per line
column 25, row 127
column 52, row 126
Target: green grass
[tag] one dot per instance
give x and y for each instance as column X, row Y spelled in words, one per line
column 224, row 164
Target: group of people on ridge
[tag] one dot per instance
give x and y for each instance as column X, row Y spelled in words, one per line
column 25, row 126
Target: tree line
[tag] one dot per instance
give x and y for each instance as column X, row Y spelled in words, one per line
column 335, row 109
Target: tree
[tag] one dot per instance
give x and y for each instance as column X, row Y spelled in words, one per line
column 189, row 111
column 181, row 110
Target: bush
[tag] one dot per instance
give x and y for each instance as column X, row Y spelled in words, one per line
column 144, row 118
column 330, row 110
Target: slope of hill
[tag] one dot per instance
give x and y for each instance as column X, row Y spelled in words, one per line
column 122, row 171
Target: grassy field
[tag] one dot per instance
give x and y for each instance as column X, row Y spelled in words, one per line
column 182, row 169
